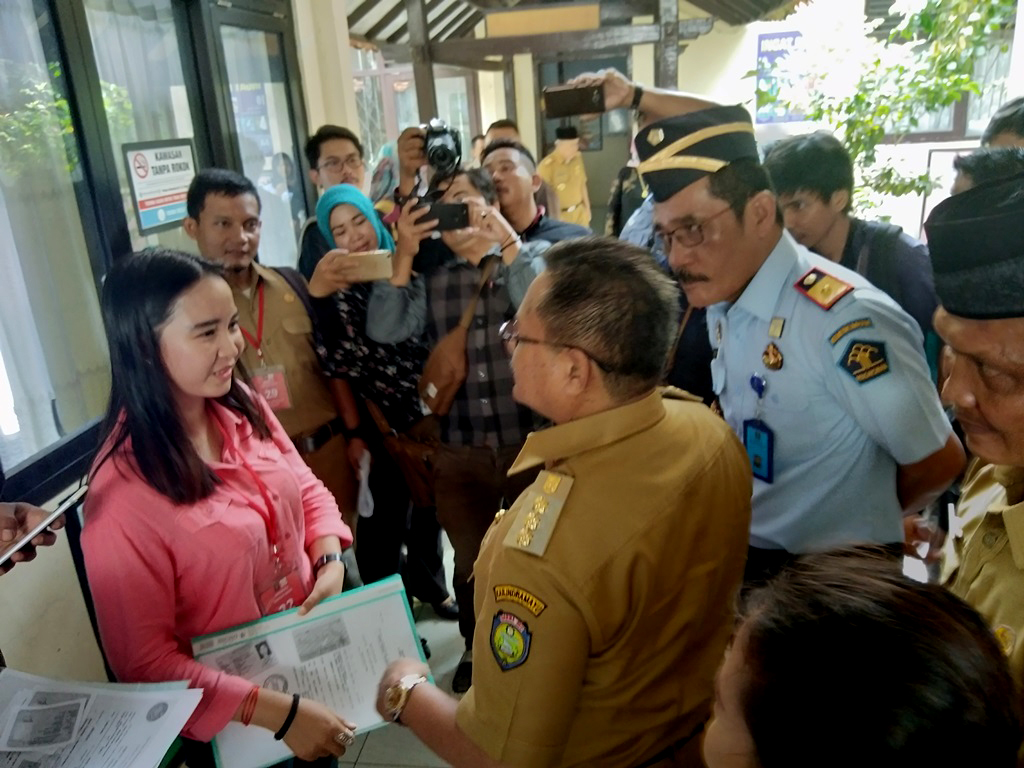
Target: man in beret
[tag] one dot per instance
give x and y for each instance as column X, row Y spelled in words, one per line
column 821, row 375
column 977, row 248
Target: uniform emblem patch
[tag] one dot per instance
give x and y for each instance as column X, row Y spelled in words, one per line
column 507, row 593
column 1006, row 638
column 865, row 360
column 510, row 640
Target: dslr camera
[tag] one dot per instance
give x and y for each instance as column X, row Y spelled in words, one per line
column 442, row 147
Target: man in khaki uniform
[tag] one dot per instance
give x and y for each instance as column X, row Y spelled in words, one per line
column 977, row 248
column 319, row 415
column 604, row 594
column 563, row 170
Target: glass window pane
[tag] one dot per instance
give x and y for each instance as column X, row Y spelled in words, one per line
column 54, row 368
column 136, row 49
column 259, row 99
column 453, row 108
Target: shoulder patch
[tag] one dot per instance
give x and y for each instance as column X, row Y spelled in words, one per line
column 508, row 593
column 821, row 288
column 864, row 322
column 865, row 360
column 1006, row 638
column 531, row 530
column 510, row 640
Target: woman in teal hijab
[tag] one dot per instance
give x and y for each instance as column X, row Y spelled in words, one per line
column 347, row 219
column 387, row 375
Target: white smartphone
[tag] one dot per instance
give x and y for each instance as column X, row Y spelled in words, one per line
column 373, row 265
column 6, row 550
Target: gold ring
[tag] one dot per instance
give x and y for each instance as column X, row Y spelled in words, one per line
column 345, row 739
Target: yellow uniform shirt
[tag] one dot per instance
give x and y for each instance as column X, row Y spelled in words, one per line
column 604, row 595
column 984, row 560
column 568, row 179
column 287, row 347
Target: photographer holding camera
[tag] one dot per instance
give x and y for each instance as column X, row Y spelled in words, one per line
column 484, row 272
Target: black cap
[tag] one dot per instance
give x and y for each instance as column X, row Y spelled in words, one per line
column 680, row 150
column 976, row 241
column 566, row 132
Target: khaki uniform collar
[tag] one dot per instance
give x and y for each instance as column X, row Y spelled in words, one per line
column 1012, row 479
column 595, row 431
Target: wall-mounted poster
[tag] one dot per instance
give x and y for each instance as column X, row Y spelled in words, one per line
column 160, row 172
column 770, row 48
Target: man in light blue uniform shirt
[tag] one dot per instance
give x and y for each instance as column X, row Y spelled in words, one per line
column 820, row 374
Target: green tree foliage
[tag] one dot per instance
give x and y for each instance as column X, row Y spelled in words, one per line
column 866, row 89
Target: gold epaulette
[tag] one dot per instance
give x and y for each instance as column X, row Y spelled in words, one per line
column 531, row 531
column 822, row 288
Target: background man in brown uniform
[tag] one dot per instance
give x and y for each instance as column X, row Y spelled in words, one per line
column 604, row 595
column 224, row 220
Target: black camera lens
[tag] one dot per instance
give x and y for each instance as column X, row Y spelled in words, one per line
column 443, row 148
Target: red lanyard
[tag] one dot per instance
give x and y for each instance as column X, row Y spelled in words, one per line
column 266, row 514
column 258, row 340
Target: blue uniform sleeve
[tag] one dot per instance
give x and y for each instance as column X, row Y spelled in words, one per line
column 396, row 313
column 879, row 374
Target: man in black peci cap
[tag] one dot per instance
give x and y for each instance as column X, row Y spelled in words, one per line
column 563, row 170
column 976, row 241
column 821, row 375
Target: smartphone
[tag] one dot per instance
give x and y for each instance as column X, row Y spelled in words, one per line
column 567, row 100
column 373, row 265
column 449, row 215
column 8, row 549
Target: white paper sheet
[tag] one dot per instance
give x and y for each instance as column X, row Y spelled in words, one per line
column 335, row 654
column 121, row 726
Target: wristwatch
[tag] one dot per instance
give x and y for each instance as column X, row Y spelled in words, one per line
column 397, row 696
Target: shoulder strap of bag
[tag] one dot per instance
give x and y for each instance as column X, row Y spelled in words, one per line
column 295, row 281
column 467, row 314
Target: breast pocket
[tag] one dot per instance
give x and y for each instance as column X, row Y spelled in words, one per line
column 299, row 325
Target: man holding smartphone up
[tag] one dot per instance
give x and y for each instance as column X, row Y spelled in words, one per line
column 485, row 428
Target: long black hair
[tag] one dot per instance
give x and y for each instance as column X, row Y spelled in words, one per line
column 139, row 295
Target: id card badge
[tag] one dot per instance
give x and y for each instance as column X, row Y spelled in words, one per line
column 272, row 385
column 282, row 592
column 759, row 441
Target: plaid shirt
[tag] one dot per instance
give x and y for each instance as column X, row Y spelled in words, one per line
column 483, row 412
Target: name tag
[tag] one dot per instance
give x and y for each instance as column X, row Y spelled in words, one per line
column 273, row 387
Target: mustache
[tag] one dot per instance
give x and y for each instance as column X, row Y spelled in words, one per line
column 685, row 277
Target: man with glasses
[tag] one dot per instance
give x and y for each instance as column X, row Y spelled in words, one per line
column 605, row 593
column 821, row 375
column 335, row 156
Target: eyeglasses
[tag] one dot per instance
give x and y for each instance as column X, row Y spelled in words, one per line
column 352, row 162
column 511, row 338
column 688, row 235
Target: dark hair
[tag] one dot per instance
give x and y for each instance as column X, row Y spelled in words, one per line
column 478, row 177
column 503, row 123
column 139, row 295
column 1009, row 118
column 610, row 299
column 739, row 181
column 990, row 164
column 324, row 134
column 217, row 181
column 478, row 137
column 497, row 144
column 815, row 162
column 846, row 657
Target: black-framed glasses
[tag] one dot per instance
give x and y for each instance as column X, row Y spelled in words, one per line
column 352, row 162
column 688, row 235
column 511, row 338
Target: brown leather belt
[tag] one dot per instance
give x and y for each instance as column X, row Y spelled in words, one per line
column 319, row 437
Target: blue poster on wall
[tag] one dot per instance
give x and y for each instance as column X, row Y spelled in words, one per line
column 770, row 48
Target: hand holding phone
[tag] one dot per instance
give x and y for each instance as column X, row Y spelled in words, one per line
column 449, row 216
column 27, row 523
column 572, row 100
